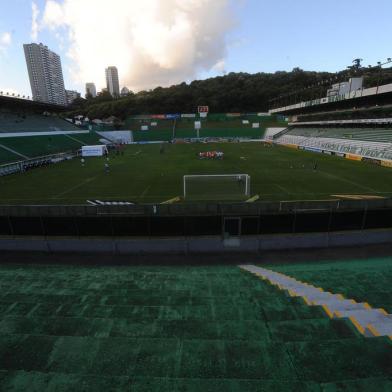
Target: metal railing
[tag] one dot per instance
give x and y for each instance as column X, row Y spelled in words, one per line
column 28, row 164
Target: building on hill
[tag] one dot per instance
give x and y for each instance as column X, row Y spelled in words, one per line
column 45, row 74
column 91, row 90
column 124, row 91
column 354, row 84
column 71, row 96
column 112, row 81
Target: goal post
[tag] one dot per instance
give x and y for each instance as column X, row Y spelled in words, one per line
column 216, row 187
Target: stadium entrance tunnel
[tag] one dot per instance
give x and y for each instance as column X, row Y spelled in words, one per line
column 232, row 227
column 196, row 228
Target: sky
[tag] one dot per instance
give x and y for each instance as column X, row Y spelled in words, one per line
column 164, row 42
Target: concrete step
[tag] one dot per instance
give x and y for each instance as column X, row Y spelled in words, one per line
column 370, row 322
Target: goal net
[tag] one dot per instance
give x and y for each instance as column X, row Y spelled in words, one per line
column 217, row 187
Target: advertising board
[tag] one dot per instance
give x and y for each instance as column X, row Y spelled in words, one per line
column 353, row 157
column 93, row 151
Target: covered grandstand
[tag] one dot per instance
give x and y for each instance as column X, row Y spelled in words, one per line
column 25, row 147
column 12, row 122
column 29, row 130
column 356, row 126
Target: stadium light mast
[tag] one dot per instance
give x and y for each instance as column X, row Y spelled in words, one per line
column 357, row 63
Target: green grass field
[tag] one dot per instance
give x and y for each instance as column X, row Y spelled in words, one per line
column 166, row 328
column 142, row 174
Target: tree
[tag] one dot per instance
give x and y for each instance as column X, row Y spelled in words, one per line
column 234, row 92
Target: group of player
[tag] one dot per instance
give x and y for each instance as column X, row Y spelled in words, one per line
column 211, row 155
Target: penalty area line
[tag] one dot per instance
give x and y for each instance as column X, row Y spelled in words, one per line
column 342, row 179
column 285, row 190
column 74, row 187
column 145, row 191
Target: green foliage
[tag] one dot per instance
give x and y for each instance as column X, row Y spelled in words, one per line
column 235, row 92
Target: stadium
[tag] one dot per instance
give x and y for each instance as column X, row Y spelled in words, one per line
column 233, row 251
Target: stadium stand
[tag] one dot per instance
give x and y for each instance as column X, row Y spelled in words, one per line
column 363, row 280
column 363, row 148
column 214, row 126
column 353, row 124
column 369, row 322
column 27, row 133
column 156, row 135
column 175, row 329
column 367, row 134
column 270, row 133
column 34, row 146
column 360, row 113
column 30, row 122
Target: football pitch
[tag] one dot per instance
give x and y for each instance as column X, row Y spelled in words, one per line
column 143, row 174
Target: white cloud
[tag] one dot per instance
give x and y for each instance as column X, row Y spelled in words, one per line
column 34, row 22
column 152, row 42
column 220, row 66
column 5, row 41
column 54, row 15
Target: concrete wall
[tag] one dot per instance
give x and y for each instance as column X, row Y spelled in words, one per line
column 197, row 245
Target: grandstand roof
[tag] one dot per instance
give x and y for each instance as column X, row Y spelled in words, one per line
column 363, row 98
column 17, row 103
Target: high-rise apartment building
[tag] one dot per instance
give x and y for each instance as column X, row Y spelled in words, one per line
column 45, row 73
column 91, row 89
column 71, row 96
column 112, row 82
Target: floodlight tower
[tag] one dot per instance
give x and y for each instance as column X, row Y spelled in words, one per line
column 357, row 63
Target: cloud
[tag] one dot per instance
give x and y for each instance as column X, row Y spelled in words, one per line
column 220, row 66
column 34, row 22
column 54, row 14
column 152, row 42
column 5, row 41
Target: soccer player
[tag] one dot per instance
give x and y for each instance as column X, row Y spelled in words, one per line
column 107, row 168
column 82, row 162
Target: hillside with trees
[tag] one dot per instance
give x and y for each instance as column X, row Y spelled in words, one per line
column 234, row 92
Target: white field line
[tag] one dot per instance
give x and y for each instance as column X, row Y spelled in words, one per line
column 145, row 191
column 14, row 151
column 282, row 188
column 159, row 197
column 348, row 181
column 74, row 187
column 75, row 140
